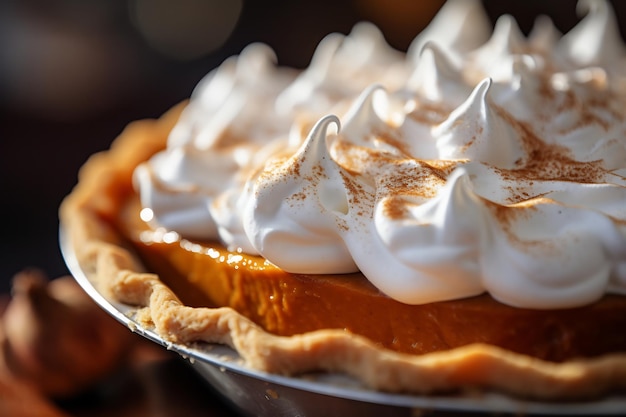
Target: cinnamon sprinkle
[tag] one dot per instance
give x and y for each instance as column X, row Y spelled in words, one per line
column 547, row 162
column 429, row 113
column 422, row 181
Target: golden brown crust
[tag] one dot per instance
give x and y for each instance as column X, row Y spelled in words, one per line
column 118, row 272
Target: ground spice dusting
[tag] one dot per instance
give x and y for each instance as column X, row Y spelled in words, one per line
column 301, row 196
column 468, row 144
column 294, row 167
column 275, row 170
column 355, row 190
column 595, row 109
column 429, row 113
column 443, row 167
column 548, row 162
column 395, row 208
column 388, row 138
column 409, row 180
column 508, row 216
column 318, row 172
column 544, row 88
column 604, row 103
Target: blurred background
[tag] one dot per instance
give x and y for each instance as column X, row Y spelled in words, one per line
column 73, row 73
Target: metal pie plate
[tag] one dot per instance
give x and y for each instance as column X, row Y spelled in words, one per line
column 256, row 393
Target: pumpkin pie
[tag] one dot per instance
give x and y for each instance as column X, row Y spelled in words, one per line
column 496, row 256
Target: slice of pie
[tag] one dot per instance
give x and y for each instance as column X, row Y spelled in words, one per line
column 444, row 220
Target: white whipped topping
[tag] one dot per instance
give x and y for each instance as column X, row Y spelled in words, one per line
column 472, row 164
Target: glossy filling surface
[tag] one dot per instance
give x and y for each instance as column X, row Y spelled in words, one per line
column 206, row 274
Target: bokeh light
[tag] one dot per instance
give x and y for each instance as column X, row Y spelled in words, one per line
column 185, row 29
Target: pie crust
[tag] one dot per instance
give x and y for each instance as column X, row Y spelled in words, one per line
column 90, row 216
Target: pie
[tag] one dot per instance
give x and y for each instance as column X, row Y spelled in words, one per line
column 564, row 344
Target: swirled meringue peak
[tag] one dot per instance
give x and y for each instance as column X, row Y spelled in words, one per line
column 470, row 164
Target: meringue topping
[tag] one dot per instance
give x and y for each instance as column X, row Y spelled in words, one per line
column 471, row 164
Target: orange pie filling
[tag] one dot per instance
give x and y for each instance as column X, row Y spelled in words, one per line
column 207, row 275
